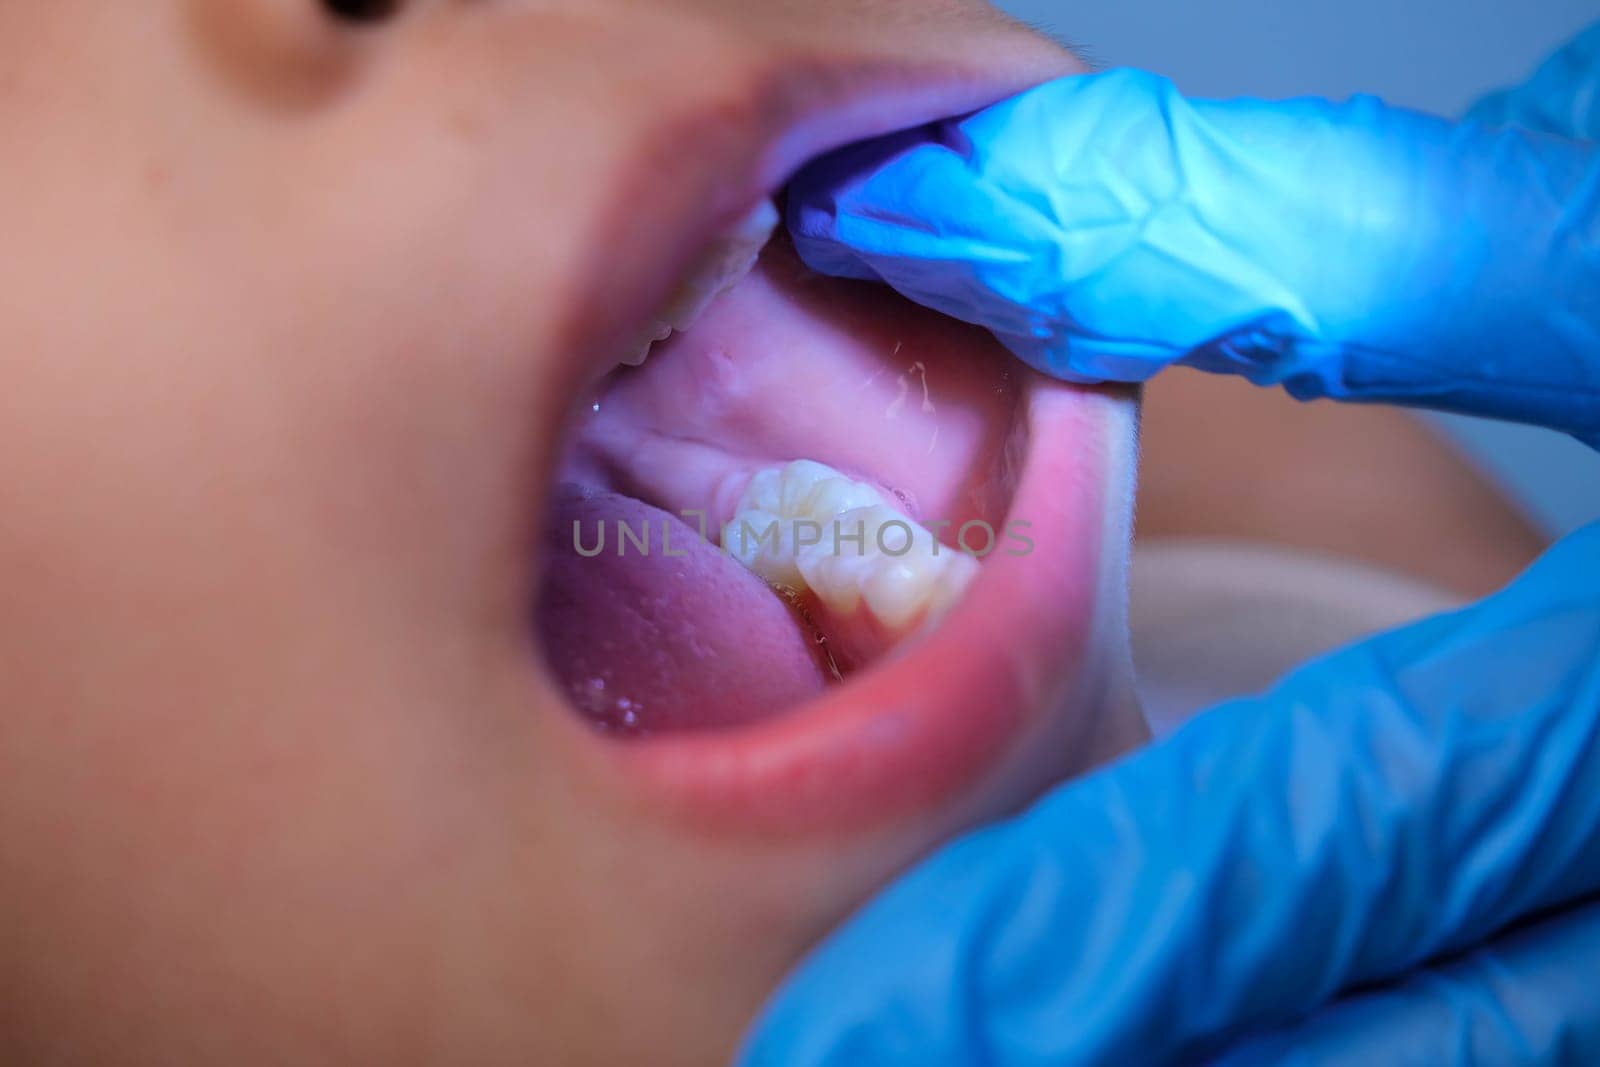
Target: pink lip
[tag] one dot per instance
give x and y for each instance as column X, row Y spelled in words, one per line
column 707, row 169
column 1004, row 670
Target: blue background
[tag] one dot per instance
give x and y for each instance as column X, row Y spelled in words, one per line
column 1438, row 55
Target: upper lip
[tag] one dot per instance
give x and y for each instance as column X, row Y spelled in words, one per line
column 704, row 165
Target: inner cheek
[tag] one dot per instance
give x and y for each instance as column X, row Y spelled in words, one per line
column 806, row 366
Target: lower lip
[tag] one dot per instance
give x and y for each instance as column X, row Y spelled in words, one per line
column 942, row 715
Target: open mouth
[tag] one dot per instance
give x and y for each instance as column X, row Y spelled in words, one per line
column 825, row 557
column 786, row 493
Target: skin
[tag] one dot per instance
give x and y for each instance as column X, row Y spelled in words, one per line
column 1222, row 459
column 287, row 360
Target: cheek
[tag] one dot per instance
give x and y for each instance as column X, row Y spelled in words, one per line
column 286, row 54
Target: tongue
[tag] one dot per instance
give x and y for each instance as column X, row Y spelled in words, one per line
column 673, row 635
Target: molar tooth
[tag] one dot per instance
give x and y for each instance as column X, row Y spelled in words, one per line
column 796, row 482
column 762, row 541
column 896, row 592
column 920, row 586
column 806, row 489
column 856, row 549
column 834, row 496
column 765, row 492
column 893, row 568
column 958, row 574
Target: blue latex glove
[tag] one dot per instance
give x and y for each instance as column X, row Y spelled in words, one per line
column 1381, row 808
column 1384, row 818
column 1104, row 227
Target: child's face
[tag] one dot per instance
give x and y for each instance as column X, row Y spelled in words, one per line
column 292, row 320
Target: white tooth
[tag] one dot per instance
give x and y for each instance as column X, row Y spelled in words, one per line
column 828, row 497
column 843, row 541
column 897, row 567
column 765, row 491
column 724, row 265
column 958, row 574
column 637, row 354
column 763, row 542
column 897, row 592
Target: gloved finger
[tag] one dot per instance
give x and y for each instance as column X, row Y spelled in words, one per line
column 1527, row 998
column 1562, row 97
column 1103, row 227
column 1390, row 803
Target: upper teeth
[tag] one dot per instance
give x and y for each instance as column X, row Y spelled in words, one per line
column 805, row 526
column 724, row 265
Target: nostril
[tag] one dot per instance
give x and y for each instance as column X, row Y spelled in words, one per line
column 363, row 11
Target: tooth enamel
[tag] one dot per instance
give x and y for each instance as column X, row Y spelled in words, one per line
column 725, row 264
column 805, row 526
column 638, row 353
column 761, row 540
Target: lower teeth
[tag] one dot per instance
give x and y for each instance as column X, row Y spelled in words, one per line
column 808, row 528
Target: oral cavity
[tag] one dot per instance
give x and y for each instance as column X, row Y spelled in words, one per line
column 807, row 528
column 656, row 613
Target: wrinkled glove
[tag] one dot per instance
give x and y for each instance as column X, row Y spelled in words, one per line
column 1383, row 807
column 1104, row 227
